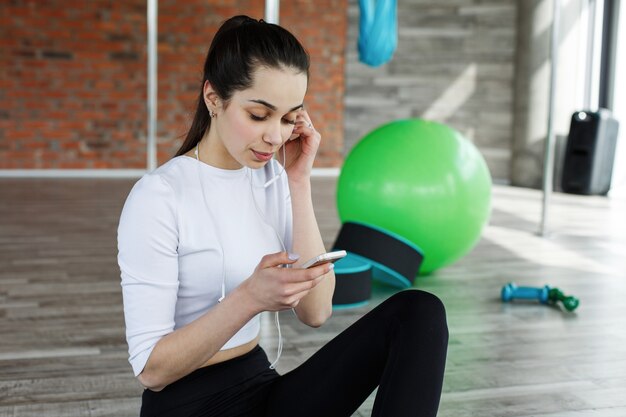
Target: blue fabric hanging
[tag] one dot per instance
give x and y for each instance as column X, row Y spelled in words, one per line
column 378, row 31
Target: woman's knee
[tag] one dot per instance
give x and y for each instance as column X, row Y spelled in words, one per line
column 421, row 308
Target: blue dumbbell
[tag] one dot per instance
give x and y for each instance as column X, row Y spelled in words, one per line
column 511, row 292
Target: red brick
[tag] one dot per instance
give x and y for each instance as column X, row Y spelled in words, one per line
column 35, row 145
column 70, row 145
column 19, row 135
column 35, row 124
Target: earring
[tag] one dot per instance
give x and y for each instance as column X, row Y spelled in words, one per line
column 212, row 114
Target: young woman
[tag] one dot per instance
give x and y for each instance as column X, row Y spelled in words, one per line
column 216, row 235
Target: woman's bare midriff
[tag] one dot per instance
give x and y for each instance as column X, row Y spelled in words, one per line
column 224, row 355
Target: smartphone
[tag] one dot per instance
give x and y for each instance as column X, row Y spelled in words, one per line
column 324, row 258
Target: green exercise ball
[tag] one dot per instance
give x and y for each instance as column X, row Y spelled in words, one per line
column 421, row 180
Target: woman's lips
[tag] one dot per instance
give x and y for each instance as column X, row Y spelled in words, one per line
column 262, row 156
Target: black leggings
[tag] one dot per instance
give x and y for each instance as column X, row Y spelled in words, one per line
column 399, row 347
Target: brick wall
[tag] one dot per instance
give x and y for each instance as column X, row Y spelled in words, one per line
column 72, row 88
column 454, row 64
column 73, row 77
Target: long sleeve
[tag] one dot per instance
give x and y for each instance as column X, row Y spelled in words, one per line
column 148, row 260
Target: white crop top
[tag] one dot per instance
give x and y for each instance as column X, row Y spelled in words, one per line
column 169, row 255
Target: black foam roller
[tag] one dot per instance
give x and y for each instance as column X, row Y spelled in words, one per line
column 353, row 282
column 395, row 260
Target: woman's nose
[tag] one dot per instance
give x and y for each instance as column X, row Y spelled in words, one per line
column 273, row 134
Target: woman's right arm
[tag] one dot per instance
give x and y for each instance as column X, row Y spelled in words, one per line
column 270, row 288
column 148, row 240
column 187, row 348
column 148, row 258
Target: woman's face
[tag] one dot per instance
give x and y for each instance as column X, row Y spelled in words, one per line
column 258, row 120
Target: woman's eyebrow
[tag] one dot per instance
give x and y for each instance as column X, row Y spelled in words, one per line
column 274, row 108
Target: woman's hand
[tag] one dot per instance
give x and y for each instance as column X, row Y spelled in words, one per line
column 273, row 287
column 301, row 148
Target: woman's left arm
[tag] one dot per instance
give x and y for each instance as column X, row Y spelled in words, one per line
column 316, row 307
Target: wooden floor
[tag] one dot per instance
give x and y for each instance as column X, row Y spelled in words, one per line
column 62, row 348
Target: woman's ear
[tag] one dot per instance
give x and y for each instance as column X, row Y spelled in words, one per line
column 211, row 99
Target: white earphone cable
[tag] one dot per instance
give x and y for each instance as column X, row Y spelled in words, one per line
column 279, row 349
column 262, row 217
column 206, row 204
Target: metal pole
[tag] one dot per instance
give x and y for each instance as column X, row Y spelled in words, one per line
column 151, row 144
column 610, row 22
column 591, row 32
column 272, row 11
column 548, row 163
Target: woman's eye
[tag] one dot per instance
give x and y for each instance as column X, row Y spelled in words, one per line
column 257, row 118
column 263, row 118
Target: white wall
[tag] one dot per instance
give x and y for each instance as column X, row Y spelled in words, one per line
column 618, row 184
column 455, row 64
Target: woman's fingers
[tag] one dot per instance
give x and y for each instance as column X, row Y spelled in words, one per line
column 297, row 275
column 306, row 278
column 293, row 293
column 301, row 131
column 304, row 126
column 278, row 259
column 295, row 283
column 279, row 287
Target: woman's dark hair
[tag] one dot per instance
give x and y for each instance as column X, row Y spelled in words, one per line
column 240, row 46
